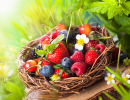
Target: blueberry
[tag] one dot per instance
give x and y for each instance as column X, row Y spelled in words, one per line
column 46, row 71
column 66, row 63
column 71, row 37
column 123, row 56
column 78, row 50
column 65, row 33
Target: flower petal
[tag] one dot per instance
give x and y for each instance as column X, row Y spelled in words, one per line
column 127, row 75
column 78, row 36
column 128, row 81
column 106, row 78
column 113, row 81
column 80, row 47
column 108, row 74
column 123, row 74
column 86, row 40
column 108, row 82
column 112, row 76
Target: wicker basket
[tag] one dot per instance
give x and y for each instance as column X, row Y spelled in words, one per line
column 67, row 85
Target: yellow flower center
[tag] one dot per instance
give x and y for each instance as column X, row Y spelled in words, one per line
column 110, row 78
column 125, row 78
column 55, row 76
column 80, row 42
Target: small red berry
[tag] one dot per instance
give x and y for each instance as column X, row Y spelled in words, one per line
column 45, row 62
column 60, row 27
column 100, row 47
column 79, row 68
column 45, row 43
column 77, row 57
column 54, row 35
column 44, row 38
column 29, row 64
column 85, row 29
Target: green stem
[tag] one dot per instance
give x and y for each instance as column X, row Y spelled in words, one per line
column 117, row 69
column 78, row 15
column 69, row 28
column 105, row 37
column 31, row 67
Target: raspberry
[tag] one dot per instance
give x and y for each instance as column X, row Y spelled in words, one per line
column 79, row 68
column 100, row 47
column 77, row 57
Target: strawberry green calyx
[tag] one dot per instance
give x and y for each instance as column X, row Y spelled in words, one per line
column 55, row 77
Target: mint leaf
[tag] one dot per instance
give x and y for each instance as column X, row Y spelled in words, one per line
column 51, row 47
column 58, row 39
column 11, row 87
column 112, row 12
column 122, row 20
column 60, row 72
column 41, row 52
column 58, row 66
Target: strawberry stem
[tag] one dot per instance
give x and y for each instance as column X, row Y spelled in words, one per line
column 78, row 15
column 52, row 18
column 69, row 28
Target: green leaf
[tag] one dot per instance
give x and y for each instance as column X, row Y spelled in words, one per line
column 117, row 89
column 60, row 72
column 11, row 87
column 57, row 66
column 58, row 39
column 100, row 98
column 126, row 62
column 118, row 77
column 123, row 89
column 41, row 52
column 14, row 96
column 126, row 5
column 125, row 29
column 122, row 20
column 109, row 96
column 112, row 12
column 51, row 47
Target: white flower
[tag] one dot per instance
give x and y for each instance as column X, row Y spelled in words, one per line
column 81, row 40
column 126, row 77
column 110, row 78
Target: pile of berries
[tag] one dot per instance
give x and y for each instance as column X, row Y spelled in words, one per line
column 65, row 53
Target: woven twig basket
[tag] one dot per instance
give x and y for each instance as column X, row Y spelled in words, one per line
column 67, row 85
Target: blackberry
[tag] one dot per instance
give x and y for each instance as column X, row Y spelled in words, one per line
column 34, row 54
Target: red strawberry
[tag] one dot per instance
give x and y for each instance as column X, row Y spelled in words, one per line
column 90, row 57
column 115, row 53
column 58, row 54
column 45, row 62
column 92, row 43
column 60, row 27
column 79, row 68
column 54, row 35
column 77, row 57
column 63, row 75
column 100, row 47
column 44, row 38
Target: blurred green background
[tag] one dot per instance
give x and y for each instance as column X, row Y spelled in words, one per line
column 21, row 21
